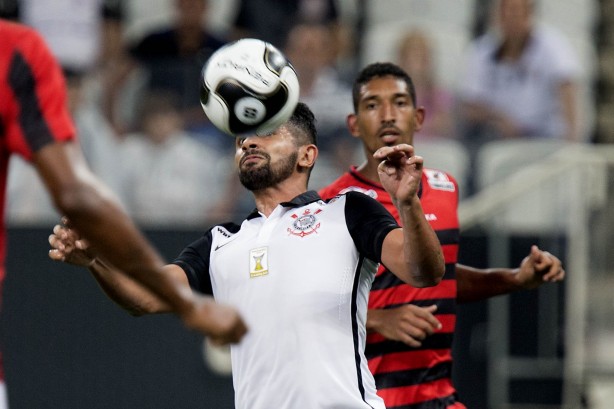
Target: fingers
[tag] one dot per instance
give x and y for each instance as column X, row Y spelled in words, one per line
column 82, row 244
column 398, row 153
column 392, row 163
column 57, row 248
column 547, row 264
column 62, row 241
column 56, row 255
column 394, row 152
column 538, row 258
column 418, row 324
column 555, row 271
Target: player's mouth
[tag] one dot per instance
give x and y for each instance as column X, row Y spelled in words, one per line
column 251, row 158
column 389, row 136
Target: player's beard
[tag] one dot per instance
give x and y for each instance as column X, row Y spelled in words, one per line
column 267, row 175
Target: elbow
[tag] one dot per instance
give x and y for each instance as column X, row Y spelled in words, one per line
column 429, row 276
column 77, row 200
column 140, row 310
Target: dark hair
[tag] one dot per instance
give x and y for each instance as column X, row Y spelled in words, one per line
column 378, row 70
column 304, row 122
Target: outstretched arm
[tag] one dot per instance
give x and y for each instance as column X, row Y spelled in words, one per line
column 535, row 269
column 95, row 213
column 422, row 263
column 68, row 246
column 221, row 323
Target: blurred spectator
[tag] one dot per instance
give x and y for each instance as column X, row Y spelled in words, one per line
column 254, row 17
column 99, row 141
column 86, row 36
column 520, row 80
column 168, row 177
column 171, row 59
column 27, row 201
column 74, row 29
column 415, row 56
column 311, row 52
column 309, row 49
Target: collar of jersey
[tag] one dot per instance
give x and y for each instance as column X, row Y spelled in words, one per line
column 301, row 200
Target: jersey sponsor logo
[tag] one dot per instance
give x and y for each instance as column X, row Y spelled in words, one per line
column 222, row 231
column 368, row 192
column 305, row 224
column 258, row 262
column 430, row 217
column 219, row 246
column 439, row 180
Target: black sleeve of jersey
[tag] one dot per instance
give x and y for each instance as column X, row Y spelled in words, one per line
column 194, row 260
column 369, row 223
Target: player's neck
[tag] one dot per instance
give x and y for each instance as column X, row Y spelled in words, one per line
column 368, row 170
column 268, row 199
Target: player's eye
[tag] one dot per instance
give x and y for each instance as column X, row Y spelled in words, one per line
column 402, row 102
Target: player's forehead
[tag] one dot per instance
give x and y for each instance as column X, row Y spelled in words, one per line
column 384, row 87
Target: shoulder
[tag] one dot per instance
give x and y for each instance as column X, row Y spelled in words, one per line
column 357, row 200
column 438, row 173
column 11, row 31
column 552, row 46
column 25, row 39
column 439, row 180
column 217, row 233
column 350, row 182
column 335, row 187
column 549, row 35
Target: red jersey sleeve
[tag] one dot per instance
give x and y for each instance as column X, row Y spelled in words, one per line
column 34, row 87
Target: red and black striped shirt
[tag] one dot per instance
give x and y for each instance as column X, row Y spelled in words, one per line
column 407, row 377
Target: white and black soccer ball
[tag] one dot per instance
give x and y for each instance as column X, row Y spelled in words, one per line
column 248, row 86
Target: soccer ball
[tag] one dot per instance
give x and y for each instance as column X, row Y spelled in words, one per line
column 248, row 86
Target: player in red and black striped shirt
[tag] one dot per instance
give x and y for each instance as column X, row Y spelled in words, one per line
column 35, row 123
column 410, row 343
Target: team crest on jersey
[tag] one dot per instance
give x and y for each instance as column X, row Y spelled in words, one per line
column 304, row 224
column 369, row 192
column 439, row 180
column 258, row 262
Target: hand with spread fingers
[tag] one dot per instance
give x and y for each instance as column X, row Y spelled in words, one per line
column 399, row 172
column 221, row 323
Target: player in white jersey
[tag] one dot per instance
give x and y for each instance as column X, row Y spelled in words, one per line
column 298, row 269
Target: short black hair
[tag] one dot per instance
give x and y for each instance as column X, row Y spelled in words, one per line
column 378, row 70
column 304, row 121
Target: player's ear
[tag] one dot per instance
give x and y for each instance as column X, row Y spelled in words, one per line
column 419, row 118
column 307, row 156
column 352, row 123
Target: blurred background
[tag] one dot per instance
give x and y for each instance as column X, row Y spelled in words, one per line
column 132, row 68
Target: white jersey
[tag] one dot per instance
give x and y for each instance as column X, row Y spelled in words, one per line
column 300, row 279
